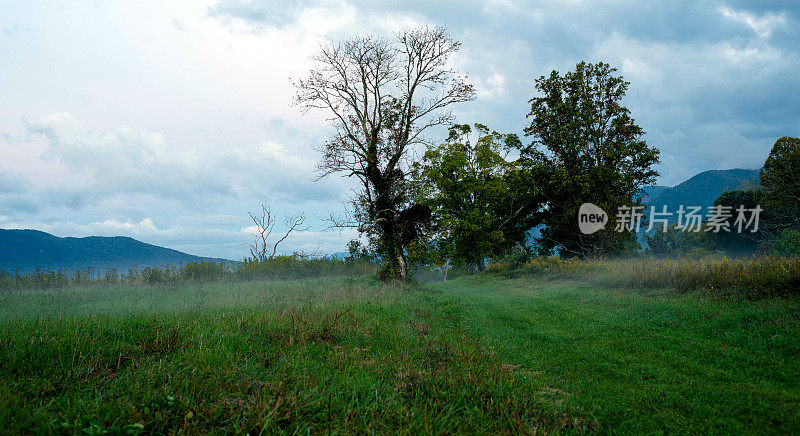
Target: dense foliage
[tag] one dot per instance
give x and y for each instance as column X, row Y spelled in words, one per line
column 734, row 242
column 483, row 204
column 780, row 184
column 787, row 243
column 591, row 150
column 777, row 197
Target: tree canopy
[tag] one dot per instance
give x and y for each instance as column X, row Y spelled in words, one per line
column 482, row 203
column 780, row 184
column 590, row 150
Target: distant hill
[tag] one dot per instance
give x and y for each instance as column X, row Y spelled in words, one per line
column 27, row 250
column 700, row 190
column 650, row 192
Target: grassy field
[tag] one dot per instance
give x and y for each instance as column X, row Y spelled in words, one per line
column 479, row 354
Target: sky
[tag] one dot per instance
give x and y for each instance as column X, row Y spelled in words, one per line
column 169, row 121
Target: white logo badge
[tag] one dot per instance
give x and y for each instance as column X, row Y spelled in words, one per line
column 591, row 218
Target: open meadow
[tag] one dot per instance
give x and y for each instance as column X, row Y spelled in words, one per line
column 483, row 354
column 249, row 217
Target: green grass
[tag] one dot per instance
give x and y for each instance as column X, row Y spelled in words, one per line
column 754, row 278
column 350, row 355
column 646, row 362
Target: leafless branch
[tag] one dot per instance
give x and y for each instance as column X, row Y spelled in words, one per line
column 264, row 226
column 382, row 95
column 293, row 223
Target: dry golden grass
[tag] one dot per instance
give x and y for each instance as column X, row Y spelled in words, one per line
column 765, row 276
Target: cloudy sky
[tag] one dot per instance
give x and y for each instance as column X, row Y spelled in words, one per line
column 169, row 121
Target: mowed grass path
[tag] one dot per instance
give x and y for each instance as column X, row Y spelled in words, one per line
column 644, row 362
column 348, row 355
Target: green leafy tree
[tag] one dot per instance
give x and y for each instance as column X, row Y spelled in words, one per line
column 590, row 150
column 358, row 251
column 787, row 243
column 676, row 243
column 482, row 203
column 735, row 242
column 780, row 185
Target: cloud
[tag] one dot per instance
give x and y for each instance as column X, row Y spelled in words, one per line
column 707, row 105
column 203, row 91
column 179, row 25
column 12, row 182
column 19, row 203
column 13, row 194
column 490, row 86
column 761, row 25
column 315, row 17
column 124, row 181
column 128, row 161
column 145, row 225
column 122, row 160
column 14, row 30
column 276, row 13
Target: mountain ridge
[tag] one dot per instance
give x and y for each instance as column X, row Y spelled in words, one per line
column 25, row 250
column 701, row 189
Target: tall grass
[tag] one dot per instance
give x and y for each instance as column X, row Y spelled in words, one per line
column 750, row 277
column 340, row 356
column 279, row 268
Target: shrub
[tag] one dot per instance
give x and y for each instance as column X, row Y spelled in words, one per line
column 787, row 244
column 279, row 268
column 751, row 277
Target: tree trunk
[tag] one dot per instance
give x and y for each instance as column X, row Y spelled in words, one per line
column 386, row 216
column 402, row 266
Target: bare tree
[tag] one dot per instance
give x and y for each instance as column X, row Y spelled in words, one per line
column 264, row 225
column 382, row 96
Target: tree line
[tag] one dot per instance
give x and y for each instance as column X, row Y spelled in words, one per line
column 477, row 194
column 777, row 194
